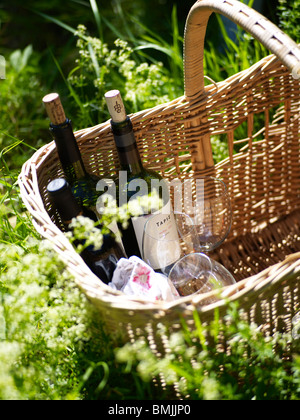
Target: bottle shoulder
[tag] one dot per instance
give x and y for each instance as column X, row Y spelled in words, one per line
column 95, row 178
column 89, row 180
column 84, row 189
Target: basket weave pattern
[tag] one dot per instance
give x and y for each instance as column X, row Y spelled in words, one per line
column 262, row 172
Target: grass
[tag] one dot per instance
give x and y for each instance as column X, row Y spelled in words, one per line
column 52, row 344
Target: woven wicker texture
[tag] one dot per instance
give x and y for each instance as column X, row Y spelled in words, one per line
column 262, row 173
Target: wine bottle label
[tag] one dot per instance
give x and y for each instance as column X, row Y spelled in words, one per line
column 160, row 239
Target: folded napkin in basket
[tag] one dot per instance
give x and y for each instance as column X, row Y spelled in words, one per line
column 134, row 277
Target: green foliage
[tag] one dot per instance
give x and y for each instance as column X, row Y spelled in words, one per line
column 52, row 344
column 289, row 18
column 42, row 319
column 250, row 366
column 15, row 224
column 99, row 69
column 143, row 83
column 21, row 115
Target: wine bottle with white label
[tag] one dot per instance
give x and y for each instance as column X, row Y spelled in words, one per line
column 139, row 180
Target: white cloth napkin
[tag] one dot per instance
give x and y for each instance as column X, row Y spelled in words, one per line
column 134, row 277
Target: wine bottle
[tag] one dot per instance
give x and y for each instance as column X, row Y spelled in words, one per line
column 131, row 165
column 102, row 262
column 82, row 183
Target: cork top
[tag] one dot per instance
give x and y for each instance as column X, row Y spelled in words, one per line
column 115, row 106
column 54, row 108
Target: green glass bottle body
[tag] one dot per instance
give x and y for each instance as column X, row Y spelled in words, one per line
column 82, row 183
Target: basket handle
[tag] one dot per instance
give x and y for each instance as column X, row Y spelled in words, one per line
column 257, row 25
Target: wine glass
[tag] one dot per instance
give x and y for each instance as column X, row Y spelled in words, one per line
column 191, row 274
column 175, row 255
column 197, row 273
column 163, row 246
column 210, row 212
column 180, row 252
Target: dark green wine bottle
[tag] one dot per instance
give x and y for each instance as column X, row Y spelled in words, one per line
column 102, row 262
column 132, row 169
column 82, row 183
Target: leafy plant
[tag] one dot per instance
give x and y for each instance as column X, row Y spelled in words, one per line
column 15, row 223
column 143, row 80
column 99, row 69
column 289, row 16
column 21, row 113
column 39, row 327
column 52, row 344
column 250, row 366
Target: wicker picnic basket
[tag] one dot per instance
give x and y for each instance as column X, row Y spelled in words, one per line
column 262, row 173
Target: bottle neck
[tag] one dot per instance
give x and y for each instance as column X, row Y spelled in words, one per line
column 68, row 151
column 128, row 152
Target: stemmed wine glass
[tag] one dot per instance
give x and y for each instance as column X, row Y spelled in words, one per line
column 210, row 212
column 197, row 273
column 180, row 254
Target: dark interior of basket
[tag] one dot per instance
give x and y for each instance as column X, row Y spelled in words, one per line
column 256, row 125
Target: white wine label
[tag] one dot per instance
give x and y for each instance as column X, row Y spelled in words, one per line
column 157, row 237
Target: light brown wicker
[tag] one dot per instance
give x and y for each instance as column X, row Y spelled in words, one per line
column 262, row 173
